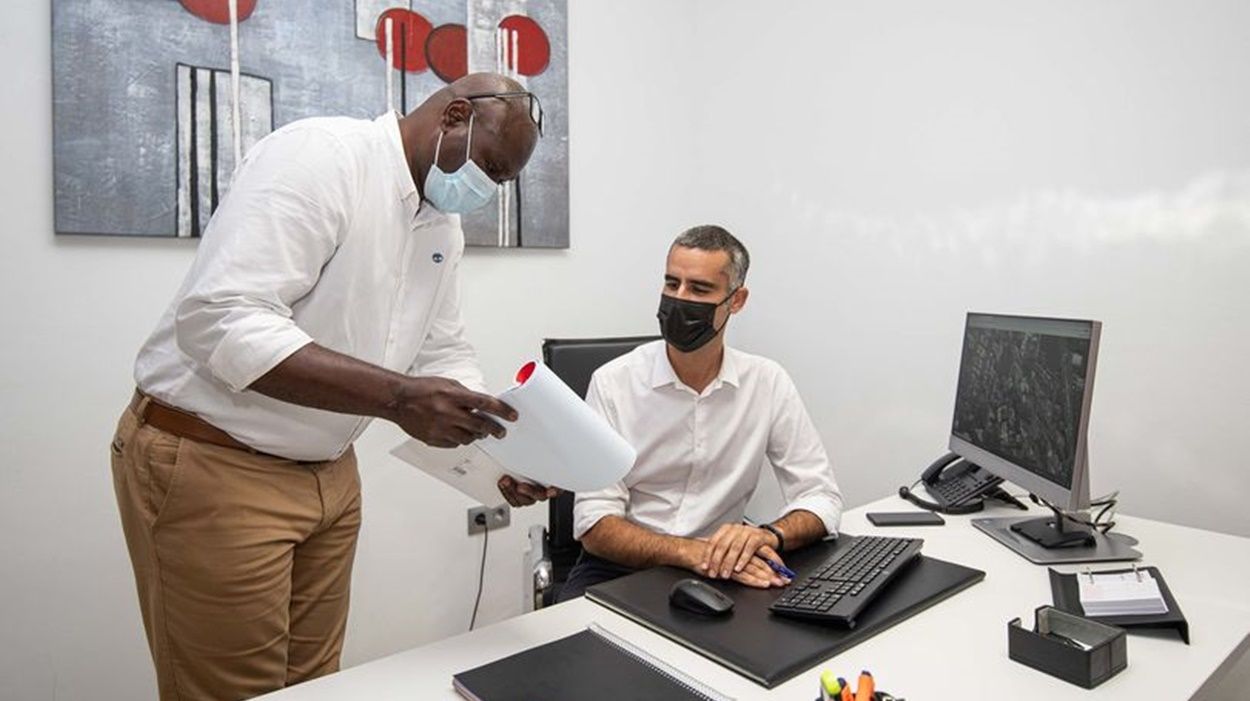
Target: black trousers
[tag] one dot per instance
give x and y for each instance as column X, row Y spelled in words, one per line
column 587, row 572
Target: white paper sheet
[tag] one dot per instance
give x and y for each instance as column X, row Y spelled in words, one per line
column 466, row 468
column 1120, row 594
column 557, row 439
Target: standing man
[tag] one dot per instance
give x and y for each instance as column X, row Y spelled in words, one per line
column 323, row 295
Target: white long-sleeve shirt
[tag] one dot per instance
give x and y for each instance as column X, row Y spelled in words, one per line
column 700, row 455
column 322, row 237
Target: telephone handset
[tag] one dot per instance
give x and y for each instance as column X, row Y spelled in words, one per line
column 956, row 485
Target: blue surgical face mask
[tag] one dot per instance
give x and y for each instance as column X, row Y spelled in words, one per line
column 464, row 190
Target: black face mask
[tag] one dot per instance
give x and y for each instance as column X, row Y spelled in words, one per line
column 688, row 325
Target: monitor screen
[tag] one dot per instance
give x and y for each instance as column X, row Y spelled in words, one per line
column 1022, row 391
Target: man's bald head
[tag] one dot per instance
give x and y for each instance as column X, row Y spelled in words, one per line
column 508, row 116
column 478, row 83
column 504, row 133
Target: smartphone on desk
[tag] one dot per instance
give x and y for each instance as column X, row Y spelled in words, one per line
column 905, row 518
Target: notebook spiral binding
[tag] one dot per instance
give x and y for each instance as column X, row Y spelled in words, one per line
column 658, row 666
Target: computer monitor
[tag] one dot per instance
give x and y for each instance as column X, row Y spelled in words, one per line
column 1022, row 408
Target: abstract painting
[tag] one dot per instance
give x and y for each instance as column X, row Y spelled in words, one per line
column 155, row 101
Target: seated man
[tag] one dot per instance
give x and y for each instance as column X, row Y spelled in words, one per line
column 704, row 418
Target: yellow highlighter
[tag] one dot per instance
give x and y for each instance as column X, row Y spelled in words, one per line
column 830, row 686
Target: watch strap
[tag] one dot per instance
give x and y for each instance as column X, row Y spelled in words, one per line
column 781, row 539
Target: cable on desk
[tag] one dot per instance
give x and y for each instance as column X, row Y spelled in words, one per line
column 1108, row 503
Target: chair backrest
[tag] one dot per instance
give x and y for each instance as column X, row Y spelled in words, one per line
column 574, row 361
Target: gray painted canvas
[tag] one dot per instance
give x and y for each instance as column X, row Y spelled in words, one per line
column 127, row 124
column 205, row 153
column 546, row 178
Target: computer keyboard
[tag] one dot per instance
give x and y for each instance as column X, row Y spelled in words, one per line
column 840, row 587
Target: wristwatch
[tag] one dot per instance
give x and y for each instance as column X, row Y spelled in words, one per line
column 781, row 539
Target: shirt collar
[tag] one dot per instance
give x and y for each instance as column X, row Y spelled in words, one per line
column 729, row 367
column 662, row 372
column 389, row 122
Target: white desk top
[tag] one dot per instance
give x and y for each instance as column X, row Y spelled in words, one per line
column 957, row 649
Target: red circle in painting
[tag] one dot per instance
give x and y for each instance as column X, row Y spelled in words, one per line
column 447, row 51
column 532, row 44
column 218, row 11
column 410, row 30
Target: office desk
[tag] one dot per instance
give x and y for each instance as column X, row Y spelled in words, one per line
column 957, row 649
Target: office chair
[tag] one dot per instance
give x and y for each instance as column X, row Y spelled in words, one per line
column 554, row 550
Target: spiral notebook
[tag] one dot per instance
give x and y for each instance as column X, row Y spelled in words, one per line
column 592, row 664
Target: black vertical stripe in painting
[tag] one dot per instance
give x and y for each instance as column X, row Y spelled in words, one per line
column 193, row 155
column 519, row 243
column 212, row 142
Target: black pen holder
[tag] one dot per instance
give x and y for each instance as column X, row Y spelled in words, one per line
column 1075, row 649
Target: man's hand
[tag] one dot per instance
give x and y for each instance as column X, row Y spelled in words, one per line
column 758, row 574
column 693, row 555
column 444, row 413
column 732, row 547
column 524, row 493
column 767, row 553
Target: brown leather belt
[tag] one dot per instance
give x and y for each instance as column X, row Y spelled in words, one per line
column 181, row 423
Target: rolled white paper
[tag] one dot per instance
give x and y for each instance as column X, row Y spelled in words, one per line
column 557, row 440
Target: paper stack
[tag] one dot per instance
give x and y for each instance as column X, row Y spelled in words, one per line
column 1120, row 594
column 557, row 441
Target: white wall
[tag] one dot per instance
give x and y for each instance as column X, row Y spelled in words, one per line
column 890, row 165
column 893, row 165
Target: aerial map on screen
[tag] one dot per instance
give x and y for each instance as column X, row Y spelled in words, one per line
column 1019, row 397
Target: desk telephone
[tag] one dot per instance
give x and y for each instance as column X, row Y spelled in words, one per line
column 957, row 487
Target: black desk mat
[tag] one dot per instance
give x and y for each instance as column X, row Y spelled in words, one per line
column 770, row 649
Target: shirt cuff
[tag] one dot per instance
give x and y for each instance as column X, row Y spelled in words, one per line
column 243, row 359
column 585, row 517
column 826, row 509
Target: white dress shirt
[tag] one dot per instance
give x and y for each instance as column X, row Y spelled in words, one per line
column 322, row 237
column 700, row 454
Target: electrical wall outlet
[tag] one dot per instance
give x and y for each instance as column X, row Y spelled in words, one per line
column 494, row 516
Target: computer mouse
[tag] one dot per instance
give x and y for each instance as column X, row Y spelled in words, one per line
column 700, row 597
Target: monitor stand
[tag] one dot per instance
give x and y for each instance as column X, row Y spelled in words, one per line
column 1055, row 531
column 1108, row 547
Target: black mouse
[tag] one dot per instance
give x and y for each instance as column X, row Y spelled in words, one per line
column 700, row 597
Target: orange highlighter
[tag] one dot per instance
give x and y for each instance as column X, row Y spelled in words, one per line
column 846, row 693
column 865, row 688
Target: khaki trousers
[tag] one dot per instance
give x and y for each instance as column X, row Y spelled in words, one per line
column 243, row 562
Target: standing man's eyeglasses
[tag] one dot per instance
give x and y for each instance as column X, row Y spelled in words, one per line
column 536, row 107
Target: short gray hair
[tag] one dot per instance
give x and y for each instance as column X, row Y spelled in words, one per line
column 709, row 237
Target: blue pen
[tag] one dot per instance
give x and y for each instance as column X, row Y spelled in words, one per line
column 782, row 570
column 776, row 566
